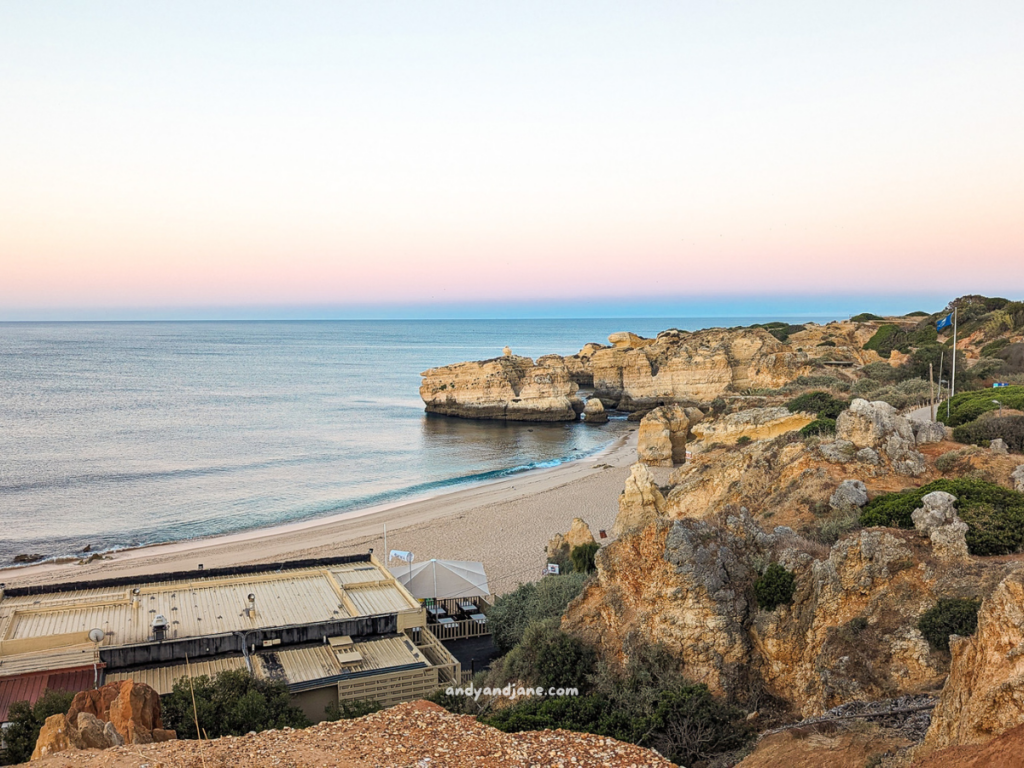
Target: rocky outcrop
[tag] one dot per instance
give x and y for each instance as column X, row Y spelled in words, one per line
column 688, row 368
column 640, row 502
column 753, row 423
column 984, row 695
column 1018, row 478
column 849, row 497
column 594, row 412
column 509, row 388
column 879, row 426
column 937, row 519
column 123, row 712
column 927, row 431
column 661, row 439
column 579, row 534
column 998, row 446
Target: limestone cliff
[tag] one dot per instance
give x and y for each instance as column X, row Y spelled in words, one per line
column 510, row 388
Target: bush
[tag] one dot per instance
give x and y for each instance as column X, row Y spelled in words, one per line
column 535, row 601
column 549, row 658
column 25, row 721
column 994, row 346
column 350, row 710
column 885, row 339
column 743, row 440
column 822, row 404
column 982, row 431
column 917, row 313
column 231, row 704
column 968, row 406
column 774, row 587
column 949, row 617
column 583, row 557
column 819, row 427
column 881, row 372
column 994, row 515
column 648, row 703
column 865, row 317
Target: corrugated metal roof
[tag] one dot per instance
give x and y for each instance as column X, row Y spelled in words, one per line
column 60, row 658
column 292, row 666
column 162, row 679
column 384, row 598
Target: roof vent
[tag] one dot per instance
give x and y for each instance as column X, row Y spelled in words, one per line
column 159, row 627
column 251, row 610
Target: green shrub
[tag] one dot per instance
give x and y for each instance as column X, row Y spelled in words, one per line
column 231, row 704
column 994, row 515
column 548, row 657
column 982, row 431
column 822, row 404
column 774, row 587
column 968, row 406
column 645, row 705
column 350, row 710
column 881, row 372
column 917, row 313
column 949, row 617
column 827, row 343
column 819, row 427
column 994, row 346
column 25, row 721
column 865, row 317
column 743, row 440
column 885, row 339
column 582, row 557
column 528, row 603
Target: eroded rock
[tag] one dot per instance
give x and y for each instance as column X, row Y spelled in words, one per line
column 850, row 496
column 594, row 412
column 879, row 426
column 928, row 431
column 753, row 423
column 640, row 503
column 661, row 439
column 937, row 519
column 1018, row 478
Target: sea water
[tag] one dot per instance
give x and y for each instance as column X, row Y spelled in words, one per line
column 115, row 435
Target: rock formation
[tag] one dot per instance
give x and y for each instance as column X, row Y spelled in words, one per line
column 753, row 423
column 938, row 520
column 984, row 695
column 681, row 367
column 594, row 413
column 661, row 440
column 640, row 503
column 998, row 446
column 123, row 712
column 579, row 534
column 506, row 388
column 879, row 426
column 927, row 431
column 850, row 496
column 1018, row 478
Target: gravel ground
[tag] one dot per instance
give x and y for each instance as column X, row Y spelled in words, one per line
column 415, row 735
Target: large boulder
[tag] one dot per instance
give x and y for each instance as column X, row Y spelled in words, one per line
column 122, row 712
column 850, row 496
column 579, row 534
column 594, row 412
column 984, row 693
column 661, row 440
column 927, row 431
column 879, row 426
column 510, row 388
column 1018, row 478
column 937, row 519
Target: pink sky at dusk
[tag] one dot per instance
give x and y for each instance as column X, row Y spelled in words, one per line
column 401, row 153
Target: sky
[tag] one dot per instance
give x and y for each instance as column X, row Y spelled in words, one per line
column 471, row 159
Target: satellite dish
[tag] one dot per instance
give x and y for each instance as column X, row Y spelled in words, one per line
column 96, row 635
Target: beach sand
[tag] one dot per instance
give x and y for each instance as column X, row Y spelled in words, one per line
column 505, row 524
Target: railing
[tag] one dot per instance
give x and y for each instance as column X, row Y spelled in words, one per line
column 460, row 630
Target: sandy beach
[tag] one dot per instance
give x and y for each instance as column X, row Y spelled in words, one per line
column 505, row 524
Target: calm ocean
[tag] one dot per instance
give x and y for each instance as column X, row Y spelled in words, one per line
column 121, row 434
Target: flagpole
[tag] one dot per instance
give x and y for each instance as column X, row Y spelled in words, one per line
column 952, row 378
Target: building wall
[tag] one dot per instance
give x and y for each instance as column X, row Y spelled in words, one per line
column 313, row 703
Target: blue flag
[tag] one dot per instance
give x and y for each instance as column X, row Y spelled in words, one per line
column 944, row 322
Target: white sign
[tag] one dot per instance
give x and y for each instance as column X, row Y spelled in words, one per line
column 397, row 554
column 553, row 568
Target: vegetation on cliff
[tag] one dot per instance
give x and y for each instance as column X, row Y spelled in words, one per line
column 995, row 515
column 968, row 406
column 949, row 616
column 531, row 603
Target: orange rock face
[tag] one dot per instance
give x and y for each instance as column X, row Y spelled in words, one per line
column 132, row 709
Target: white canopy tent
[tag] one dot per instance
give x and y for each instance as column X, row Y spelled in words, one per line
column 444, row 578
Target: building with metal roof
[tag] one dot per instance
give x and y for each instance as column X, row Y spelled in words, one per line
column 334, row 629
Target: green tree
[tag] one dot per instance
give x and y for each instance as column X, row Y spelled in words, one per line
column 583, row 557
column 549, row 658
column 231, row 704
column 774, row 587
column 535, row 601
column 949, row 617
column 25, row 722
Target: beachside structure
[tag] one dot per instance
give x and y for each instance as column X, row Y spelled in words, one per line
column 337, row 629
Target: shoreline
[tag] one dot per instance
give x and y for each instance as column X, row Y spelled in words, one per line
column 533, row 504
